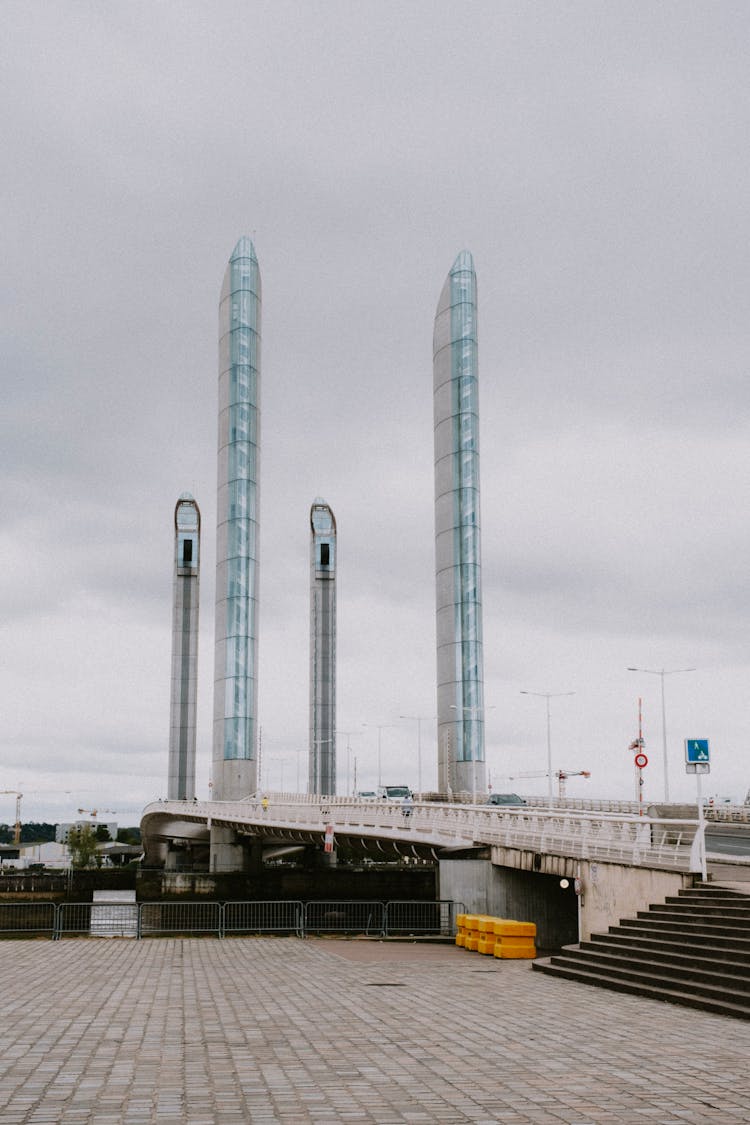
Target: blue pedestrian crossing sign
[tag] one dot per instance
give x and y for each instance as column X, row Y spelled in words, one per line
column 696, row 750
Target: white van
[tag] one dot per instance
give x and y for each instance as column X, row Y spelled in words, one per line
column 394, row 792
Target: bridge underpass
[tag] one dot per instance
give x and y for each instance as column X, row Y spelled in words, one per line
column 525, row 862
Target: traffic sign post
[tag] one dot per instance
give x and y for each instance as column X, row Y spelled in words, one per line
column 697, row 753
column 698, row 761
column 640, row 761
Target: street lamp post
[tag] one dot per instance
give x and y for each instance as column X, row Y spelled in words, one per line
column 348, row 734
column 297, row 752
column 380, row 728
column 663, row 672
column 549, row 695
column 419, row 719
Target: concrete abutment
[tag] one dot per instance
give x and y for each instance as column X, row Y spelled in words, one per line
column 528, row 886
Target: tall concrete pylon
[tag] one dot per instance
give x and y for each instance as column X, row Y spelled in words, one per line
column 458, row 566
column 185, row 610
column 235, row 734
column 323, row 552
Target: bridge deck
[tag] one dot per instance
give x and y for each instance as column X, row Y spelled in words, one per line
column 437, row 828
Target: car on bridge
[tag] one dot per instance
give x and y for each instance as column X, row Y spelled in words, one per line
column 505, row 799
column 394, row 792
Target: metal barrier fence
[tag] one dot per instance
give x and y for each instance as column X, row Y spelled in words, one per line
column 113, row 919
column 437, row 918
column 264, row 918
column 353, row 917
column 180, row 918
column 150, row 919
column 73, row 918
column 28, row 918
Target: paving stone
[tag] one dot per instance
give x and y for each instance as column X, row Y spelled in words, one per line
column 316, row 1032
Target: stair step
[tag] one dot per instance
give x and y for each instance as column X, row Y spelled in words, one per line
column 674, row 996
column 730, row 951
column 738, row 968
column 693, row 949
column 707, row 981
column 697, row 894
column 735, row 927
column 702, row 909
column 714, row 891
column 718, row 936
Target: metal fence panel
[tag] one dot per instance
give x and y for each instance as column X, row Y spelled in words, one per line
column 114, row 919
column 263, row 917
column 344, row 917
column 27, row 918
column 394, row 918
column 74, row 918
column 408, row 917
column 180, row 918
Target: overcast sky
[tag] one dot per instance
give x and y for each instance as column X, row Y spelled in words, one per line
column 594, row 159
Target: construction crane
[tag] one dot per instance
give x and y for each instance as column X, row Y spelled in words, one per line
column 561, row 775
column 95, row 812
column 18, row 796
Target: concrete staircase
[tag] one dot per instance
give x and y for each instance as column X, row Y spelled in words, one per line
column 694, row 949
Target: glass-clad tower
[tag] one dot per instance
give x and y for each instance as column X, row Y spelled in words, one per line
column 322, row 778
column 236, row 636
column 458, row 577
column 185, row 605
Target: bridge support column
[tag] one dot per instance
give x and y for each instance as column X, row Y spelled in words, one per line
column 254, row 857
column 227, row 853
column 326, row 859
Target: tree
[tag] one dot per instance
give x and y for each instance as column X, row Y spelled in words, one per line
column 128, row 835
column 82, row 843
column 102, row 834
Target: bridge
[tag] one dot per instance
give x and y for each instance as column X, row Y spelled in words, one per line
column 587, row 865
column 431, row 830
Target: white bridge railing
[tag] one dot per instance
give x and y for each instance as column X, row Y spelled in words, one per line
column 622, row 838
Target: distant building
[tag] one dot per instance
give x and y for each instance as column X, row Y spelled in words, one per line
column 49, row 854
column 458, row 569
column 185, row 610
column 322, row 776
column 62, row 831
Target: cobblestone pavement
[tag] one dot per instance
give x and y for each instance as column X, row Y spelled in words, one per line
column 209, row 1032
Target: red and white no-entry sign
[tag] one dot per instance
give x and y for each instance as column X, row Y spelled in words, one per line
column 641, row 760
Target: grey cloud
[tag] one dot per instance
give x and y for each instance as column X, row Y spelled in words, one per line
column 594, row 160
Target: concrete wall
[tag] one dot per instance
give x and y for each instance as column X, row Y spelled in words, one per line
column 305, row 883
column 527, row 896
column 533, row 892
column 610, row 892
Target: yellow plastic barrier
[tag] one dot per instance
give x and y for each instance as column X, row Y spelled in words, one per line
column 501, row 937
column 514, row 939
column 508, row 927
column 515, row 948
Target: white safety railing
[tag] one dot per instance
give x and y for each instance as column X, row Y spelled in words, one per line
column 622, row 838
